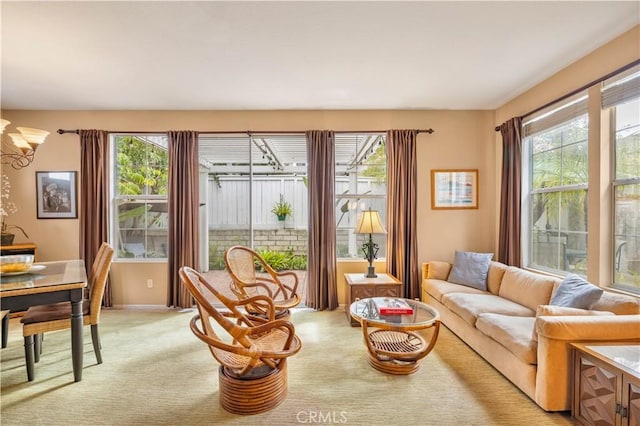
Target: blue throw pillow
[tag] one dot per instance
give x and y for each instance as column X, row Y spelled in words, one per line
column 576, row 292
column 471, row 269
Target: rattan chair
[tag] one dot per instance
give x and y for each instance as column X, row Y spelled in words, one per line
column 57, row 316
column 252, row 351
column 281, row 287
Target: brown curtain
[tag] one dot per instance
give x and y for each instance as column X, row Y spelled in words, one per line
column 402, row 245
column 183, row 213
column 510, row 194
column 94, row 148
column 322, row 288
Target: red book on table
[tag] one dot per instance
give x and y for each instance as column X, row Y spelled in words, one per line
column 392, row 306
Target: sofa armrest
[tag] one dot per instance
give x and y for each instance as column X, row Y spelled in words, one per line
column 587, row 327
column 425, row 271
column 554, row 374
column 436, row 269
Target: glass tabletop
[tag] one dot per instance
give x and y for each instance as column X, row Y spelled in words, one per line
column 51, row 275
column 625, row 355
column 423, row 315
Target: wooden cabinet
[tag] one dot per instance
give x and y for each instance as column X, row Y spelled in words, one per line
column 606, row 383
column 23, row 248
column 631, row 394
column 360, row 287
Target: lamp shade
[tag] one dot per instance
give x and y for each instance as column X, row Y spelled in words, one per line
column 3, row 123
column 33, row 136
column 20, row 142
column 370, row 223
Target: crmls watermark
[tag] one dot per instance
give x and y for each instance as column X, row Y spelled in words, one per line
column 321, row 417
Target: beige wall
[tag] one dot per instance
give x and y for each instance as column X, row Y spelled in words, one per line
column 462, row 139
column 602, row 61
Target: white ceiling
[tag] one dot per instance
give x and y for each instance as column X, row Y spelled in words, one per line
column 293, row 55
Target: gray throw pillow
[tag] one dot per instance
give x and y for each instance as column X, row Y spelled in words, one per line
column 471, row 269
column 576, row 292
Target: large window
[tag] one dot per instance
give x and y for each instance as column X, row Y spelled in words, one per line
column 251, row 180
column 361, row 184
column 556, row 188
column 555, row 182
column 139, row 196
column 621, row 98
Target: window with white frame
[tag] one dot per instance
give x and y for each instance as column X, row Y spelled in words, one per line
column 361, row 184
column 555, row 187
column 621, row 99
column 139, row 196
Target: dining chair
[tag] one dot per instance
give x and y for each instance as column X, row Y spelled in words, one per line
column 281, row 287
column 252, row 351
column 5, row 327
column 57, row 316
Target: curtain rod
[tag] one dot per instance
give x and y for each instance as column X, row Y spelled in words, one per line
column 580, row 89
column 248, row 132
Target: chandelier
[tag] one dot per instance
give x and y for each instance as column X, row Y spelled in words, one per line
column 19, row 153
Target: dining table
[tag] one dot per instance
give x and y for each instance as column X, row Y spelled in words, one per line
column 45, row 283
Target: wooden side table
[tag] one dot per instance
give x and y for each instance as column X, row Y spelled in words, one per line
column 22, row 248
column 360, row 287
column 606, row 383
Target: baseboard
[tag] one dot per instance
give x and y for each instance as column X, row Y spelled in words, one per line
column 143, row 307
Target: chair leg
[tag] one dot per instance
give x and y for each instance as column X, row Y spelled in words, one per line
column 29, row 357
column 37, row 346
column 95, row 338
column 5, row 328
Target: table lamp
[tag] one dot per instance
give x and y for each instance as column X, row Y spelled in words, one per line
column 370, row 223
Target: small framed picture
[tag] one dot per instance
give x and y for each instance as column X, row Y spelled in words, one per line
column 57, row 195
column 454, row 189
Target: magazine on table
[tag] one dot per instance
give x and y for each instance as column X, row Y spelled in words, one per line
column 392, row 306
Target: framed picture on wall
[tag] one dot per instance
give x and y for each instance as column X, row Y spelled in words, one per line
column 57, row 195
column 454, row 189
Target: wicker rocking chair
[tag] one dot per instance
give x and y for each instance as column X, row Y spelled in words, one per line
column 242, row 263
column 252, row 351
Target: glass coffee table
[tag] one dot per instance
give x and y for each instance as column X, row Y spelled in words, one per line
column 394, row 345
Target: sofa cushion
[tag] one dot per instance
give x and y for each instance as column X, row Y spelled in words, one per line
column 438, row 270
column 438, row 288
column 495, row 275
column 512, row 332
column 619, row 304
column 468, row 306
column 552, row 310
column 526, row 288
column 470, row 269
column 576, row 292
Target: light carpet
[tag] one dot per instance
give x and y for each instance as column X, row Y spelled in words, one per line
column 156, row 372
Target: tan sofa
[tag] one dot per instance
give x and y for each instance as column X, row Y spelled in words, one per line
column 511, row 326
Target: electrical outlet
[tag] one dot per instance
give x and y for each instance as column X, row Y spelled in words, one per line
column 149, row 283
